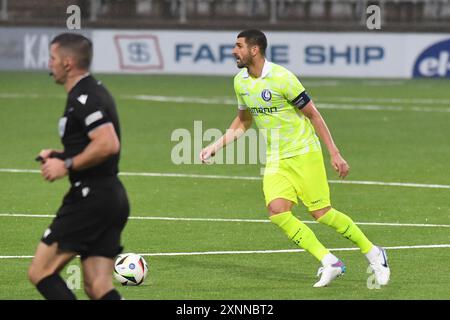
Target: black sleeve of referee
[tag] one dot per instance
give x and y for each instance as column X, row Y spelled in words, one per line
column 91, row 114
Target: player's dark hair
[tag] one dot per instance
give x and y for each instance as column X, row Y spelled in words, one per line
column 78, row 45
column 255, row 37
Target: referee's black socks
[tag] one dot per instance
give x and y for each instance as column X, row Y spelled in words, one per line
column 53, row 287
column 112, row 295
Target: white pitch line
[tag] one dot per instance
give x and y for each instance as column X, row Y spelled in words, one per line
column 202, row 253
column 335, row 105
column 211, row 176
column 175, row 99
column 11, row 95
column 26, row 215
column 186, row 175
column 320, row 105
column 4, row 170
column 432, row 246
column 393, row 184
column 391, row 224
column 232, row 100
column 407, row 101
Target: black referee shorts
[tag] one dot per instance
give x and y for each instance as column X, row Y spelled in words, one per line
column 91, row 218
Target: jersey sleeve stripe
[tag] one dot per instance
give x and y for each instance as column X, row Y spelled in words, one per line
column 95, row 116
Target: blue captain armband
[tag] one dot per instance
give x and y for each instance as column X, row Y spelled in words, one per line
column 302, row 100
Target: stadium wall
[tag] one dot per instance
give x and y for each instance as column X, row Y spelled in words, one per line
column 322, row 54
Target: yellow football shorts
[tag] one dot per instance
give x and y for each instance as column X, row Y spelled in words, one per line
column 302, row 176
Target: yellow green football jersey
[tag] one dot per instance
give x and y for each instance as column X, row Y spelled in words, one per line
column 272, row 99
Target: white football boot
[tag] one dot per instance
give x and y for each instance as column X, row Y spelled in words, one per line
column 380, row 268
column 329, row 273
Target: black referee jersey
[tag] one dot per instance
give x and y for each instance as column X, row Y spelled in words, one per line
column 89, row 106
column 95, row 210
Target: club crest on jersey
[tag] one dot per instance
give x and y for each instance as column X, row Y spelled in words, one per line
column 266, row 95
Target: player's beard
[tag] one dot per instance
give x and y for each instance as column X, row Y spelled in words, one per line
column 243, row 63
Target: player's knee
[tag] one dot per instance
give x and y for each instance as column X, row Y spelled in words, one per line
column 37, row 273
column 320, row 212
column 279, row 206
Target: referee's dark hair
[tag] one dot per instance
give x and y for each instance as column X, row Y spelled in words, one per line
column 255, row 37
column 78, row 45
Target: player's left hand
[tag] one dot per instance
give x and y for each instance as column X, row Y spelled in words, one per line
column 340, row 165
column 53, row 169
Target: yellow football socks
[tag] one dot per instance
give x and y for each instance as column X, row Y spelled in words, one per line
column 300, row 233
column 345, row 226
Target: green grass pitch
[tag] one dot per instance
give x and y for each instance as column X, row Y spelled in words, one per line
column 388, row 130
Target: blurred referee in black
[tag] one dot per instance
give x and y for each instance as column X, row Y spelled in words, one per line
column 95, row 209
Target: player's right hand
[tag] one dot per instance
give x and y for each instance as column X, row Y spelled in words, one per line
column 206, row 154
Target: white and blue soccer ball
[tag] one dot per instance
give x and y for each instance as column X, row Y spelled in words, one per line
column 130, row 269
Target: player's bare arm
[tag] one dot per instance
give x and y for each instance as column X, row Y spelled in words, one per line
column 337, row 161
column 240, row 124
column 104, row 143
